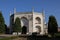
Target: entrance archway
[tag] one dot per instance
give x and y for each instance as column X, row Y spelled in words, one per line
column 25, row 25
column 24, row 30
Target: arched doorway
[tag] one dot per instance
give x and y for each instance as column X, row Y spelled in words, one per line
column 24, row 30
column 38, row 29
column 25, row 25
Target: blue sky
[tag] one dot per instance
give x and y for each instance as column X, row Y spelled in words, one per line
column 51, row 7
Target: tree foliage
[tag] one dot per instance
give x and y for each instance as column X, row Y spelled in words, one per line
column 17, row 25
column 52, row 25
column 7, row 30
column 2, row 23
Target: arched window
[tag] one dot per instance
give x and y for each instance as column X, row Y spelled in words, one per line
column 38, row 29
column 38, row 20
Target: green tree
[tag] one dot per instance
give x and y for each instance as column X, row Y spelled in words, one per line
column 17, row 25
column 52, row 25
column 2, row 23
column 7, row 29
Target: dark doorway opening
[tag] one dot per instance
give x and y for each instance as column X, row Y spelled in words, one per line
column 24, row 30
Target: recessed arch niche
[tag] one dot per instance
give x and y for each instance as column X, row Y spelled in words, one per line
column 38, row 29
column 38, row 20
column 25, row 22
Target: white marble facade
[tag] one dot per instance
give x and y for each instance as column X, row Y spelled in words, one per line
column 34, row 21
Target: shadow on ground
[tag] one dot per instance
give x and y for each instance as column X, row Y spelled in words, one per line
column 42, row 38
column 38, row 37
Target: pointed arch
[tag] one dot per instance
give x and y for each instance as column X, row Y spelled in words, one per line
column 38, row 28
column 25, row 23
column 38, row 20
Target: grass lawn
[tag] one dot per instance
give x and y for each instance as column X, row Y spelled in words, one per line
column 9, row 38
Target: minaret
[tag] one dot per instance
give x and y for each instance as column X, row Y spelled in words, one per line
column 32, row 9
column 10, row 13
column 43, row 14
column 14, row 10
column 32, row 18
